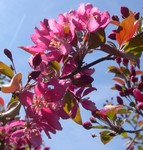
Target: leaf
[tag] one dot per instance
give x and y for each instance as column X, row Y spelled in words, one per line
column 124, row 134
column 69, row 105
column 115, row 70
column 12, row 110
column 134, row 46
column 13, row 85
column 96, row 39
column 119, row 80
column 139, row 72
column 140, row 147
column 55, row 65
column 6, row 70
column 106, row 136
column 140, row 123
column 111, row 114
column 100, row 127
column 77, row 118
column 126, row 29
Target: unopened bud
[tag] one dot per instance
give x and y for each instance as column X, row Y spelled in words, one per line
column 87, row 125
column 119, row 100
column 125, row 62
column 132, row 71
column 116, row 18
column 125, row 12
column 112, row 36
column 118, row 60
column 140, row 105
column 8, row 54
column 137, row 16
column 37, row 60
column 94, row 135
column 34, row 74
column 93, row 120
column 118, row 87
column 140, row 85
column 133, row 79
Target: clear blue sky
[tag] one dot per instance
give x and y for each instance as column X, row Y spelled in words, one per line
column 17, row 21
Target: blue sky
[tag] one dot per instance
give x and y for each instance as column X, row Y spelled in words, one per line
column 17, row 21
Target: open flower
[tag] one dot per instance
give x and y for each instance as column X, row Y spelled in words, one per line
column 91, row 18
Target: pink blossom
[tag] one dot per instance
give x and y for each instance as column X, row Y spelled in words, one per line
column 91, row 18
column 138, row 95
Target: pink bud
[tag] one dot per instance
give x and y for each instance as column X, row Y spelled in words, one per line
column 87, row 125
column 125, row 12
column 138, row 95
column 116, row 18
column 118, row 60
column 118, row 87
column 93, row 120
column 140, row 105
column 120, row 100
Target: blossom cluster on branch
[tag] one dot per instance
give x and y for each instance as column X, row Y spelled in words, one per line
column 60, row 79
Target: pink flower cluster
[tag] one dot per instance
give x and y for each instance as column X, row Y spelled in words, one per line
column 17, row 134
column 58, row 37
column 57, row 86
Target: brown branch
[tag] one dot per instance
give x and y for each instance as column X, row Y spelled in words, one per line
column 77, row 70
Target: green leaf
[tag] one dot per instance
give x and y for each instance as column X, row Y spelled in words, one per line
column 77, row 118
column 100, row 127
column 106, row 136
column 68, row 106
column 111, row 114
column 119, row 72
column 115, row 70
column 6, row 70
column 134, row 46
column 12, row 110
column 140, row 147
column 96, row 39
column 55, row 65
column 124, row 134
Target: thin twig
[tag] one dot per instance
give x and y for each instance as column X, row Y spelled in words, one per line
column 77, row 70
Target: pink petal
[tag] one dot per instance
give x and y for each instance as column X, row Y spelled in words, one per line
column 26, row 98
column 35, row 139
column 93, row 25
column 89, row 105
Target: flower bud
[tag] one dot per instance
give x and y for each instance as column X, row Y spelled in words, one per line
column 34, row 74
column 140, row 85
column 112, row 35
column 118, row 60
column 8, row 54
column 137, row 16
column 125, row 62
column 122, row 93
column 125, row 12
column 133, row 79
column 37, row 60
column 132, row 71
column 140, row 105
column 116, row 18
column 93, row 120
column 87, row 125
column 94, row 135
column 118, row 87
column 119, row 100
